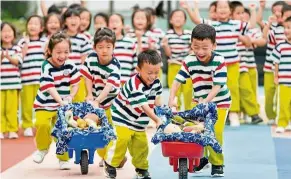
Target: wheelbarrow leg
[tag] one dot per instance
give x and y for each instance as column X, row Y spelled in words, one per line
column 91, row 155
column 175, row 164
column 71, row 153
column 78, row 156
column 171, row 161
column 191, row 165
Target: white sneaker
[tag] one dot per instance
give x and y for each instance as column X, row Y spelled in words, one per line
column 101, row 163
column 288, row 128
column 39, row 155
column 271, row 122
column 1, row 135
column 280, row 130
column 234, row 119
column 13, row 135
column 64, row 165
column 28, row 132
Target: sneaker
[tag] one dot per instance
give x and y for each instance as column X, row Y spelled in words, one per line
column 1, row 135
column 142, row 174
column 288, row 128
column 204, row 164
column 217, row 171
column 28, row 132
column 280, row 130
column 64, row 165
column 101, row 163
column 13, row 135
column 110, row 172
column 122, row 162
column 39, row 156
column 234, row 119
column 271, row 122
column 256, row 119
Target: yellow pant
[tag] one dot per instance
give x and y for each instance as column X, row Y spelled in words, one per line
column 9, row 107
column 284, row 105
column 102, row 152
column 270, row 90
column 135, row 141
column 45, row 120
column 186, row 89
column 253, row 72
column 248, row 99
column 82, row 92
column 28, row 95
column 233, row 85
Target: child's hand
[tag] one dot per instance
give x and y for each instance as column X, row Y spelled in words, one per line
column 201, row 101
column 25, row 37
column 63, row 103
column 151, row 43
column 68, row 99
column 263, row 4
column 252, row 7
column 272, row 19
column 158, row 123
column 96, row 104
column 165, row 42
column 138, row 34
column 184, row 4
column 89, row 98
column 126, row 29
column 173, row 103
column 276, row 80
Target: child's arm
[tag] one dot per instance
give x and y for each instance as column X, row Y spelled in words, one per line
column 150, row 113
column 106, row 90
column 253, row 17
column 54, row 93
column 260, row 13
column 174, row 89
column 276, row 56
column 166, row 47
column 43, row 8
column 245, row 40
column 89, row 84
column 214, row 91
column 276, row 72
column 13, row 60
column 194, row 15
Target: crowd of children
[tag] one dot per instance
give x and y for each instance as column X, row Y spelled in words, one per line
column 118, row 69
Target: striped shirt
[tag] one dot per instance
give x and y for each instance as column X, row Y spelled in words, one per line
column 80, row 46
column 127, row 107
column 31, row 67
column 227, row 34
column 100, row 75
column 275, row 36
column 125, row 52
column 59, row 78
column 89, row 36
column 179, row 44
column 282, row 55
column 158, row 34
column 10, row 74
column 205, row 76
column 247, row 56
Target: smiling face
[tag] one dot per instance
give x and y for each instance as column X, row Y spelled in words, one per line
column 104, row 49
column 99, row 22
column 140, row 20
column 115, row 24
column 60, row 53
column 73, row 23
column 178, row 19
column 34, row 27
column 7, row 34
column 287, row 30
column 222, row 10
column 238, row 13
column 149, row 72
column 212, row 13
column 85, row 20
column 277, row 11
column 203, row 49
column 53, row 25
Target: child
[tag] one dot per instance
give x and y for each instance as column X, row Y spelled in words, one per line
column 177, row 46
column 282, row 77
column 124, row 50
column 52, row 24
column 212, row 11
column 228, row 33
column 85, row 16
column 101, row 71
column 80, row 46
column 11, row 59
column 57, row 74
column 248, row 102
column 131, row 111
column 33, row 56
column 100, row 20
column 208, row 73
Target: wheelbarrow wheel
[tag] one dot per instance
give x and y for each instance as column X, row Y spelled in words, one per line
column 84, row 162
column 183, row 168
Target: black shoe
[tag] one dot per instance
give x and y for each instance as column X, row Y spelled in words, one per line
column 110, row 171
column 122, row 162
column 142, row 174
column 256, row 119
column 227, row 121
column 217, row 171
column 203, row 165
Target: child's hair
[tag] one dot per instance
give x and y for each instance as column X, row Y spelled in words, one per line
column 148, row 17
column 83, row 9
column 286, row 8
column 171, row 15
column 106, row 34
column 69, row 13
column 11, row 26
column 204, row 31
column 41, row 21
column 103, row 15
column 158, row 11
column 234, row 5
column 75, row 6
column 47, row 18
column 148, row 56
column 54, row 9
column 54, row 40
column 277, row 3
column 214, row 3
column 288, row 19
column 122, row 20
column 247, row 11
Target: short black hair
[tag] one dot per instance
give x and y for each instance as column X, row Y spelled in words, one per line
column 41, row 21
column 288, row 19
column 11, row 26
column 247, row 11
column 171, row 15
column 69, row 13
column 148, row 17
column 286, row 8
column 213, row 3
column 204, row 31
column 75, row 6
column 104, row 33
column 148, row 56
column 277, row 3
column 235, row 4
column 83, row 9
column 103, row 15
column 54, row 9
